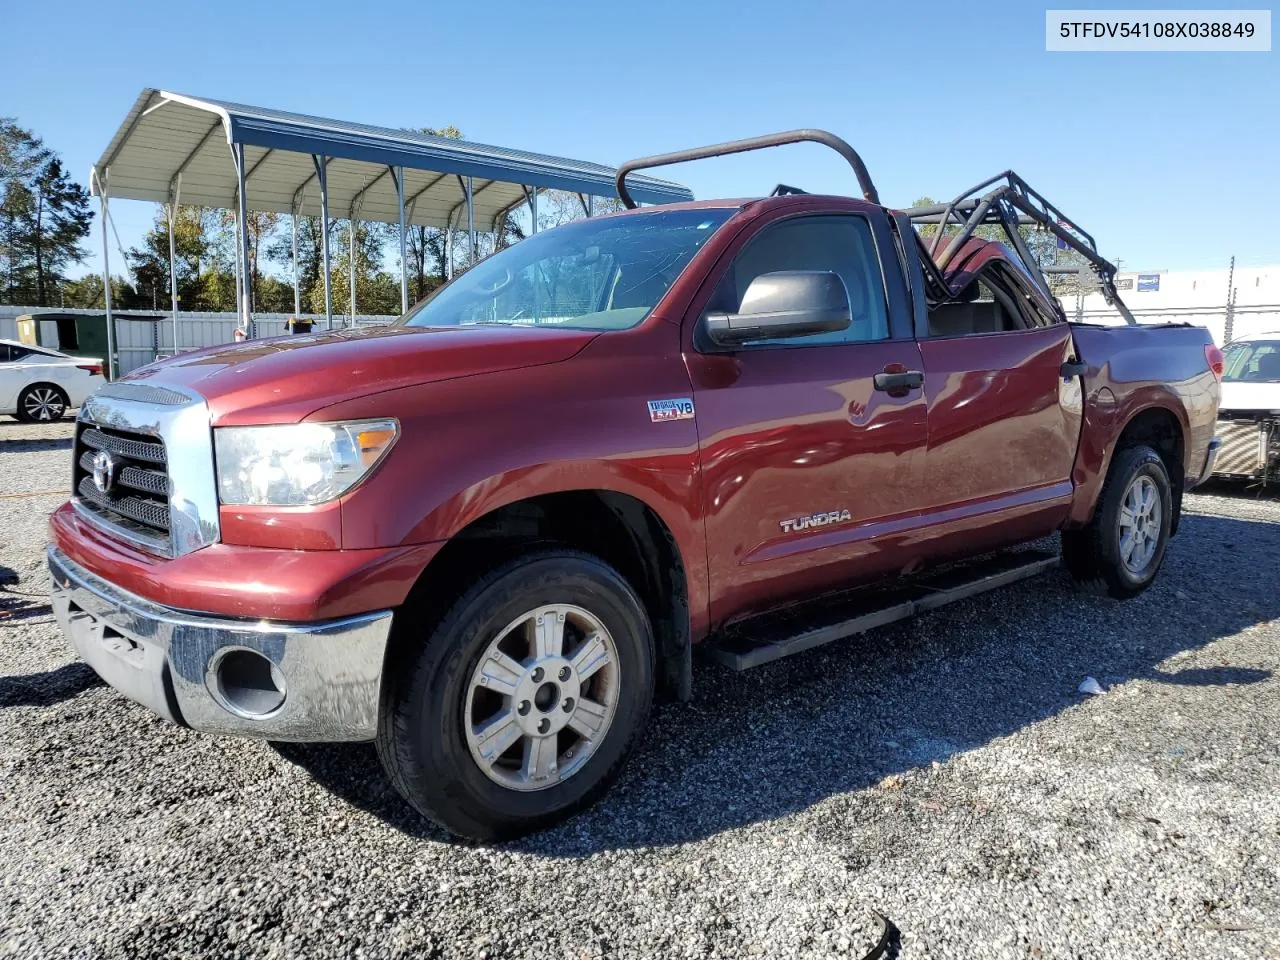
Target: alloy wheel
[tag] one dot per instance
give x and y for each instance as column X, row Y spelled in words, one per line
column 542, row 697
column 1139, row 527
column 44, row 403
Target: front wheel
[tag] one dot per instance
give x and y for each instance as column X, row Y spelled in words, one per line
column 525, row 701
column 1123, row 546
column 41, row 403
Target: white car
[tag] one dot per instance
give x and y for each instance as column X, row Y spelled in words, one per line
column 38, row 384
column 1249, row 413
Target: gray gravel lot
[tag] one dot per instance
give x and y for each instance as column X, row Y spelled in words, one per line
column 944, row 771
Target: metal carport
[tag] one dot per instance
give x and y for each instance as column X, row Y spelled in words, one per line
column 174, row 149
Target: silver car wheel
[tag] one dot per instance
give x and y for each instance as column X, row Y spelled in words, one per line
column 542, row 697
column 1139, row 529
column 44, row 403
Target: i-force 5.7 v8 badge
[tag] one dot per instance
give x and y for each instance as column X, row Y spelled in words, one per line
column 797, row 524
column 679, row 409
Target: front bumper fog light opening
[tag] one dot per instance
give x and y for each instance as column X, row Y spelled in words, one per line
column 247, row 684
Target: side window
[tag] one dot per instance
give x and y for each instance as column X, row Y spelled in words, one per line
column 5, row 353
column 841, row 244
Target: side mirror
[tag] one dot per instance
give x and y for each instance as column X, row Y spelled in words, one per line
column 789, row 303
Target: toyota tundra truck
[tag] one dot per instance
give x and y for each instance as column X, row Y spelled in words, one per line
column 488, row 535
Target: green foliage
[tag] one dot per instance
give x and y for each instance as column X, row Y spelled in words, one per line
column 1042, row 244
column 377, row 292
column 150, row 262
column 44, row 216
column 427, row 248
column 87, row 293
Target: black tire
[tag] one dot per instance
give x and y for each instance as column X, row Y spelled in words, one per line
column 422, row 741
column 42, row 403
column 1093, row 553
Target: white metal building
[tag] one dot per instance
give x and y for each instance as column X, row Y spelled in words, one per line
column 1246, row 296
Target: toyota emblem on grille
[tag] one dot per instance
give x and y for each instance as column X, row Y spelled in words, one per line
column 104, row 471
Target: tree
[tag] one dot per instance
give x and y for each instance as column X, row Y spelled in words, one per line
column 562, row 206
column 150, row 262
column 377, row 292
column 280, row 250
column 44, row 216
column 86, row 293
column 261, row 226
column 1042, row 244
column 427, row 248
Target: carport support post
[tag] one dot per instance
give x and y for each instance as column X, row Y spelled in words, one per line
column 321, row 175
column 471, row 222
column 175, row 195
column 235, row 216
column 398, row 174
column 172, row 211
column 242, row 211
column 106, row 276
column 351, row 262
column 297, row 291
column 533, row 210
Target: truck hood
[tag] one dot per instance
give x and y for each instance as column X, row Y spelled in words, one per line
column 1238, row 395
column 283, row 379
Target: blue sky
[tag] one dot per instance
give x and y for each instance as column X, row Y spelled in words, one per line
column 1163, row 157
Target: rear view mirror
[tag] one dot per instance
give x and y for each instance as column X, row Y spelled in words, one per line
column 788, row 303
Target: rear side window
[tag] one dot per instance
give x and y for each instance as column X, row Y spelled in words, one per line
column 842, row 245
column 16, row 352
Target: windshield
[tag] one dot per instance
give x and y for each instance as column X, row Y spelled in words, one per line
column 599, row 274
column 1252, row 361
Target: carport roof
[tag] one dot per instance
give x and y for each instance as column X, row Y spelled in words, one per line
column 171, row 144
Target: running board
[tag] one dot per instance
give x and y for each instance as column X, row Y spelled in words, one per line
column 747, row 643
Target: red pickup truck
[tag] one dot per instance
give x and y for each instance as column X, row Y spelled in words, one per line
column 487, row 535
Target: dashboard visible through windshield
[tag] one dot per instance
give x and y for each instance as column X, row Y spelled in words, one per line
column 599, row 274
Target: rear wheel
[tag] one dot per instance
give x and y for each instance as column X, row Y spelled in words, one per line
column 1123, row 546
column 523, row 704
column 41, row 403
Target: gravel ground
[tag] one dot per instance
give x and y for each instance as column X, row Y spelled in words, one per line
column 944, row 771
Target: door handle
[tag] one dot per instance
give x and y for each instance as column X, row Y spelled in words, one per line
column 899, row 383
column 1072, row 369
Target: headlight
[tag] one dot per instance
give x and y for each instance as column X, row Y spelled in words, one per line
column 298, row 464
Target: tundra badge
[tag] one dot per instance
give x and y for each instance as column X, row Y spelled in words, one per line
column 796, row 524
column 661, row 411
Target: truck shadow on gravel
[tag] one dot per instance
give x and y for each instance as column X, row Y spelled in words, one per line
column 777, row 740
column 48, row 688
column 17, row 437
column 33, row 445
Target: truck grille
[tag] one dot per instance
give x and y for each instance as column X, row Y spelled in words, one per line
column 136, row 503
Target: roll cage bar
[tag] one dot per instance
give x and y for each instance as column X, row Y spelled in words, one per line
column 1010, row 204
column 807, row 135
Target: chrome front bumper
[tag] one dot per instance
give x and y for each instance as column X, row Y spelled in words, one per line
column 171, row 661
